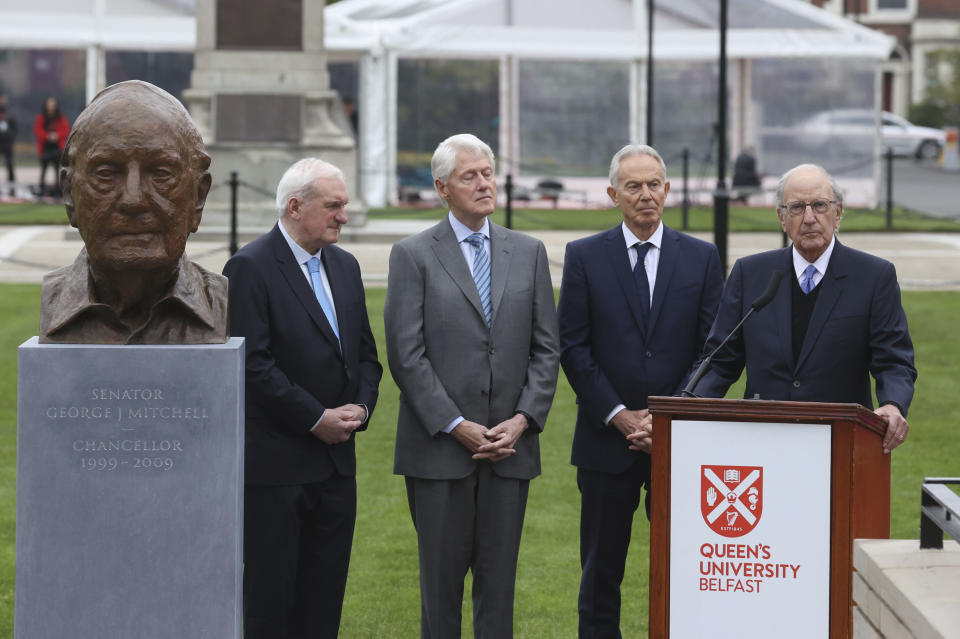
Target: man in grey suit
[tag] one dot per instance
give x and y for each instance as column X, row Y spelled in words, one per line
column 471, row 332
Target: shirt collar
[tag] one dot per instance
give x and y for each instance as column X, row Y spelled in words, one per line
column 656, row 239
column 299, row 253
column 462, row 231
column 821, row 263
column 76, row 298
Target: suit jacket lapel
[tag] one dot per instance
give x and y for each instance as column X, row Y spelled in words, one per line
column 831, row 286
column 341, row 296
column 616, row 250
column 666, row 265
column 500, row 256
column 447, row 250
column 782, row 307
column 302, row 291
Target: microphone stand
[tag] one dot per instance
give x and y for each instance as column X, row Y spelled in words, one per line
column 757, row 304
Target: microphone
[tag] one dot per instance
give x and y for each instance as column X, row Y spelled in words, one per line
column 755, row 306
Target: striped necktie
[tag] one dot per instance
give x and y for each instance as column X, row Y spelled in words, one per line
column 481, row 272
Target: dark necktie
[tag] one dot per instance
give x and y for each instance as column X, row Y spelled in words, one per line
column 640, row 275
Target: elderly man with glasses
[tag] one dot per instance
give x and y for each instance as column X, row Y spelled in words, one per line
column 836, row 320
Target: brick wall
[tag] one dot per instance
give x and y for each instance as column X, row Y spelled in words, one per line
column 938, row 9
column 899, row 31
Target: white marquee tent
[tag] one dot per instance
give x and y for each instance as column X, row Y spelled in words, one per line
column 377, row 34
column 97, row 26
column 380, row 32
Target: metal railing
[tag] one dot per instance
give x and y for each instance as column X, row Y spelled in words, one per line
column 939, row 511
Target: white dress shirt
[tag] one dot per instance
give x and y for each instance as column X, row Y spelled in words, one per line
column 800, row 264
column 302, row 256
column 652, row 260
column 650, row 264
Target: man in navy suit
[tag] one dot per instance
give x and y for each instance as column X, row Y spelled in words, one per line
column 837, row 320
column 312, row 382
column 635, row 307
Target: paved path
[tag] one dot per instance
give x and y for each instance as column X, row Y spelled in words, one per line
column 924, row 187
column 923, row 260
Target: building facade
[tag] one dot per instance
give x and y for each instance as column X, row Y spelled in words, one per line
column 922, row 28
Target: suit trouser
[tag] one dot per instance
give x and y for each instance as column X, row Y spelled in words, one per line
column 296, row 549
column 608, row 503
column 55, row 165
column 471, row 523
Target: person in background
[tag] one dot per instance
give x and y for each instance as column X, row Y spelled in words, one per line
column 746, row 180
column 51, row 129
column 8, row 133
column 350, row 108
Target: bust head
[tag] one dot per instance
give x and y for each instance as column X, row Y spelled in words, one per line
column 134, row 177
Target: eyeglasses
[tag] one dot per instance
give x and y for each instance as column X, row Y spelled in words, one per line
column 799, row 208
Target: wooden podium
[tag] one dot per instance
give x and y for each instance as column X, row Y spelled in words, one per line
column 786, row 557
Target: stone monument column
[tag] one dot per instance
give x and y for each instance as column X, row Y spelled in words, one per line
column 260, row 96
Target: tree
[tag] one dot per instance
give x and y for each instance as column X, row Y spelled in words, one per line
column 941, row 104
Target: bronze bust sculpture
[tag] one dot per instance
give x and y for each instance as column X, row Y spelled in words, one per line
column 134, row 178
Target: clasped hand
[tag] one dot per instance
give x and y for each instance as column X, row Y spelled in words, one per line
column 637, row 427
column 338, row 423
column 495, row 443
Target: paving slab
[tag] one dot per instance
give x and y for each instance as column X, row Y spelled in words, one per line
column 924, row 261
column 906, row 589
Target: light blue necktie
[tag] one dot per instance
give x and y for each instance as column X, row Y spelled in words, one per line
column 313, row 265
column 481, row 272
column 808, row 274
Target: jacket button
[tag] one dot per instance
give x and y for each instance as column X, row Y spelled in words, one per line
column 796, row 383
column 649, row 354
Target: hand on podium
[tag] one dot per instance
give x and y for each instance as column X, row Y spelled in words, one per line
column 897, row 426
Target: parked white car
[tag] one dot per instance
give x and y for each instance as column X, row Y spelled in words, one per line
column 896, row 132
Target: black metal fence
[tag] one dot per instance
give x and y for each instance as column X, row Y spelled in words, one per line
column 939, row 511
column 552, row 191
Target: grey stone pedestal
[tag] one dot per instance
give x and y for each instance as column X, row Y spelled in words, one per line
column 129, row 491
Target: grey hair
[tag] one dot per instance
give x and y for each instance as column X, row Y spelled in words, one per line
column 629, row 151
column 297, row 181
column 445, row 157
column 837, row 193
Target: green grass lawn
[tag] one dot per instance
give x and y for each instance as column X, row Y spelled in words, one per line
column 699, row 219
column 32, row 213
column 382, row 592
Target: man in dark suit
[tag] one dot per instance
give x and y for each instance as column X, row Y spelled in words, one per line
column 835, row 320
column 312, row 381
column 471, row 333
column 636, row 303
